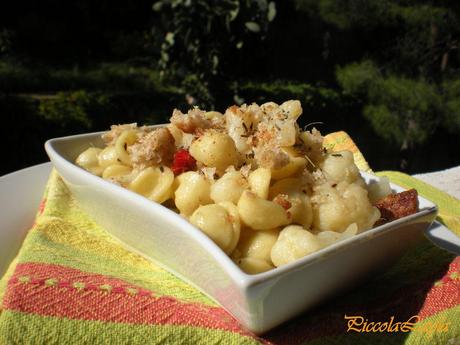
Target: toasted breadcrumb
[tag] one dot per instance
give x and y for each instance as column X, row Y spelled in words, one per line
column 271, row 158
column 153, row 148
column 194, row 120
column 115, row 131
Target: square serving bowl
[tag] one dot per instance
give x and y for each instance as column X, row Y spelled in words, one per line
column 261, row 301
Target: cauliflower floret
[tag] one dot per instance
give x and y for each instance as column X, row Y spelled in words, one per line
column 379, row 189
column 336, row 206
column 241, row 122
column 340, row 166
column 313, row 145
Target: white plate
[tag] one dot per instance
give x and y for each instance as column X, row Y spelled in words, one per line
column 20, row 195
column 21, row 192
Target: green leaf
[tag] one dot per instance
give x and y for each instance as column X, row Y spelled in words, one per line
column 215, row 63
column 169, row 38
column 271, row 11
column 157, row 6
column 252, row 26
column 234, row 13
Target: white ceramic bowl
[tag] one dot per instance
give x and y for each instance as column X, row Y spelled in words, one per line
column 260, row 302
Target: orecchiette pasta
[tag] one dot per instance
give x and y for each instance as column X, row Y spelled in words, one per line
column 89, row 160
column 229, row 187
column 126, row 138
column 254, row 265
column 221, row 225
column 293, row 243
column 241, row 177
column 107, row 157
column 215, row 149
column 210, row 115
column 115, row 171
column 288, row 186
column 293, row 109
column 330, row 237
column 260, row 214
column 301, row 211
column 257, row 244
column 294, row 193
column 154, row 183
column 234, row 218
column 193, row 190
column 259, row 182
column 294, row 164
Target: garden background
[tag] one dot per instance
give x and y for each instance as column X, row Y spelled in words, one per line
column 385, row 71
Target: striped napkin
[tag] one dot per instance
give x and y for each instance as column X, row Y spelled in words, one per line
column 72, row 283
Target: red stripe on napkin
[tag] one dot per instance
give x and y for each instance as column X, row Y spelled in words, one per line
column 59, row 291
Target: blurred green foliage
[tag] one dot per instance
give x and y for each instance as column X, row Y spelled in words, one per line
column 71, row 109
column 5, row 41
column 386, row 71
column 201, row 42
column 403, row 111
column 407, row 79
column 452, row 105
column 20, row 78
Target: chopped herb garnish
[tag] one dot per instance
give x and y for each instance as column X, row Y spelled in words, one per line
column 336, row 155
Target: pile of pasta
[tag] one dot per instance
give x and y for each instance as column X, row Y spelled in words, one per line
column 264, row 190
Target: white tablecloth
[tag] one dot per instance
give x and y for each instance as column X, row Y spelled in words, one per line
column 446, row 180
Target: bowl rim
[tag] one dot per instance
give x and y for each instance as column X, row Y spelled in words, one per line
column 244, row 280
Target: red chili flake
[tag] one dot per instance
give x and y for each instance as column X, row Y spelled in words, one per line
column 281, row 199
column 182, row 162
